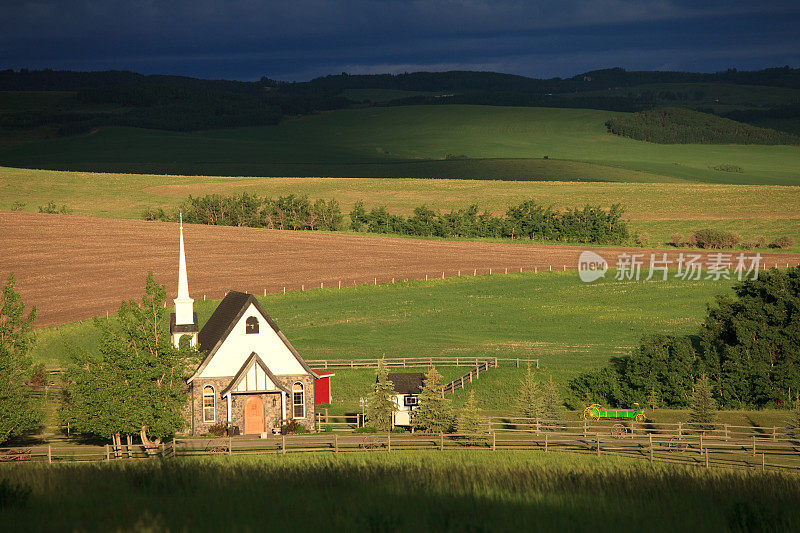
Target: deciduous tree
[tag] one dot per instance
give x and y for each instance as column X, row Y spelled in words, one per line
column 136, row 383
column 19, row 411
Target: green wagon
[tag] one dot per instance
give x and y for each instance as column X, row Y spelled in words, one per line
column 596, row 412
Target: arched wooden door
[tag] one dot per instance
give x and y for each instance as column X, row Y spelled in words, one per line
column 253, row 416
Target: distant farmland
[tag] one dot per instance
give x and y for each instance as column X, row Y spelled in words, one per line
column 658, row 209
column 73, row 267
column 416, row 141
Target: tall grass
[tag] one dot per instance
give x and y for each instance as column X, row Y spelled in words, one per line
column 420, row 491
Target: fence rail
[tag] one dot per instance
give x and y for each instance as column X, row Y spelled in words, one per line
column 468, row 377
column 318, row 364
column 717, row 431
column 695, row 450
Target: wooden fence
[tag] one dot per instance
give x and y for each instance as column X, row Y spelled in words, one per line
column 412, row 362
column 760, row 452
column 468, row 377
column 55, row 454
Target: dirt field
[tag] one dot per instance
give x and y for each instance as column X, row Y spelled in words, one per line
column 72, row 267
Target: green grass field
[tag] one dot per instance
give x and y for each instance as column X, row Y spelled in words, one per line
column 501, row 142
column 570, row 326
column 658, row 209
column 398, row 491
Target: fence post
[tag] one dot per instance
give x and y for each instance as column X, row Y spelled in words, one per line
column 584, row 429
column 283, row 444
column 50, row 454
column 174, row 449
column 754, row 445
column 545, row 443
column 680, row 429
column 598, row 445
column 701, row 444
column 726, row 431
column 335, row 443
column 706, row 457
column 650, row 436
column 494, row 441
column 108, row 453
column 441, row 442
column 389, row 441
column 763, row 463
column 230, row 446
column 774, row 431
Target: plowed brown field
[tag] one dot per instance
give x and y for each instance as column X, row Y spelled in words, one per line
column 73, row 267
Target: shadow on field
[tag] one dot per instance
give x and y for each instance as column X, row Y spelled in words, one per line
column 428, row 491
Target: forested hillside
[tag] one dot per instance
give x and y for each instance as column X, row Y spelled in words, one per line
column 674, row 125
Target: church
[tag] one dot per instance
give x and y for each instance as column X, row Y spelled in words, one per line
column 250, row 377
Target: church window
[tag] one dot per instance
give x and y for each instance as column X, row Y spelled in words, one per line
column 251, row 326
column 298, row 401
column 209, row 404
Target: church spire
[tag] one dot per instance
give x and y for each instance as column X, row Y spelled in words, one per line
column 183, row 280
column 184, row 321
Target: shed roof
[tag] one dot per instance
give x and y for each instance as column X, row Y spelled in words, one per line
column 407, row 382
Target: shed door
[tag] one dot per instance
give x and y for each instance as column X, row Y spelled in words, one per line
column 253, row 416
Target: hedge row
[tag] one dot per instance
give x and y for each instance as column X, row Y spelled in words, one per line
column 529, row 220
column 286, row 212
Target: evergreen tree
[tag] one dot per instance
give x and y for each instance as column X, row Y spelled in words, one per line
column 552, row 405
column 652, row 399
column 136, row 384
column 703, row 406
column 19, row 411
column 529, row 396
column 434, row 413
column 469, row 419
column 381, row 401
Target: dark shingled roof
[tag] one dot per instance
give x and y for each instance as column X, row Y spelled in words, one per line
column 407, row 382
column 223, row 318
column 182, row 328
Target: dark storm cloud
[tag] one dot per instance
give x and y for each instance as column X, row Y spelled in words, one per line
column 297, row 40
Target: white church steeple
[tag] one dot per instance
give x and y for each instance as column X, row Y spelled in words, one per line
column 183, row 321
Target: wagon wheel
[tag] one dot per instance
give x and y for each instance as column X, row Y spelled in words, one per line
column 677, row 445
column 640, row 417
column 593, row 411
column 618, row 431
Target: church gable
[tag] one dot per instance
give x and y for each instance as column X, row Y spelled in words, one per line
column 240, row 327
column 254, row 377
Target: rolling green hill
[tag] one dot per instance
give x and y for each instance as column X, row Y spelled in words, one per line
column 501, row 142
column 571, row 326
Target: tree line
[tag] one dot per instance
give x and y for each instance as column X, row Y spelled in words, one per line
column 528, row 220
column 748, row 347
column 674, row 125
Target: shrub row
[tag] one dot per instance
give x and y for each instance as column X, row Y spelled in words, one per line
column 286, row 212
column 529, row 220
column 720, row 239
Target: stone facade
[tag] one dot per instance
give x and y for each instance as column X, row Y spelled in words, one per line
column 271, row 400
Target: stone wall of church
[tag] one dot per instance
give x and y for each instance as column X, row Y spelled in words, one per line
column 272, row 404
column 200, row 426
column 308, row 385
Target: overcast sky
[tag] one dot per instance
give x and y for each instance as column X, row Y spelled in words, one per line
column 301, row 39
